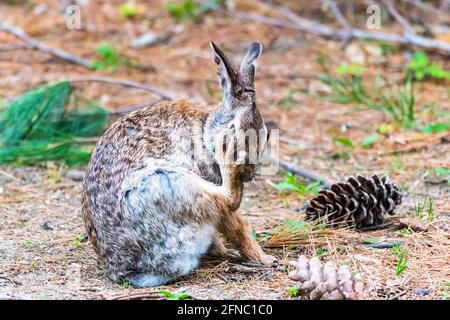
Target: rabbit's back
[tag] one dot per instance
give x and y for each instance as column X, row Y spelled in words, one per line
column 162, row 132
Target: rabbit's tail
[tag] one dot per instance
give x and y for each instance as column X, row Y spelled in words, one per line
column 144, row 280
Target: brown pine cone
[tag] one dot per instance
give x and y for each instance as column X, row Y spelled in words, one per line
column 361, row 202
column 327, row 282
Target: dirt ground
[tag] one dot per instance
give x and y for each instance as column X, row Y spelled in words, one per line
column 42, row 250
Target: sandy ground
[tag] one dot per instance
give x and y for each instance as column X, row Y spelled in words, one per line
column 42, row 250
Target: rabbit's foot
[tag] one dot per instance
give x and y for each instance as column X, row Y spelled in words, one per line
column 268, row 260
column 218, row 248
column 260, row 257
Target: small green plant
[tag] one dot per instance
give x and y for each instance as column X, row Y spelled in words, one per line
column 370, row 140
column 29, row 245
column 430, row 216
column 110, row 59
column 352, row 69
column 34, row 265
column 125, row 284
column 293, row 292
column 402, row 263
column 447, row 289
column 443, row 172
column 190, row 9
column 419, row 208
column 398, row 101
column 292, row 184
column 345, row 142
column 405, row 232
column 421, row 68
column 128, row 10
column 79, row 241
column 387, row 48
column 436, row 127
column 180, row 296
column 288, row 102
column 321, row 251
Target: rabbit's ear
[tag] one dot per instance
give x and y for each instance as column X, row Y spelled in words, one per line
column 229, row 77
column 248, row 64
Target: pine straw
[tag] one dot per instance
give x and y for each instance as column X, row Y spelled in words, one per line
column 428, row 255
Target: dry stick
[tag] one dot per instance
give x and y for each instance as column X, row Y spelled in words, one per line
column 301, row 172
column 323, row 30
column 425, row 6
column 125, row 83
column 140, row 296
column 405, row 24
column 37, row 45
column 13, row 47
column 340, row 18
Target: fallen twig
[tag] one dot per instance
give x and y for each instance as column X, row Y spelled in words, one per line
column 11, row 280
column 383, row 245
column 37, row 45
column 302, row 172
column 340, row 18
column 296, row 22
column 140, row 296
column 125, row 83
column 409, row 30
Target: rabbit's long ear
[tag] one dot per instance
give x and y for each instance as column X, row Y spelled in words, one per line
column 229, row 77
column 248, row 65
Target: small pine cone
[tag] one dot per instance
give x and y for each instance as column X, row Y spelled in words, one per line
column 360, row 202
column 327, row 282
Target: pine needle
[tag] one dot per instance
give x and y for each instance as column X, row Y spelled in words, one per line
column 39, row 127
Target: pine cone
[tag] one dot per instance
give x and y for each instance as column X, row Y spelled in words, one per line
column 327, row 282
column 360, row 202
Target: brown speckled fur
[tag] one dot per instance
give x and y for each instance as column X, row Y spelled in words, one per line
column 155, row 196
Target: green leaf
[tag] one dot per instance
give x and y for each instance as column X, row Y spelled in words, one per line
column 352, row 69
column 343, row 141
column 184, row 295
column 321, row 251
column 170, row 296
column 290, row 183
column 128, row 10
column 293, row 292
column 167, row 293
column 437, row 127
column 442, row 171
column 419, row 61
column 370, row 140
column 384, row 128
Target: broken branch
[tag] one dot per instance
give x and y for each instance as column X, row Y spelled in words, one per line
column 37, row 45
column 302, row 172
column 306, row 25
column 125, row 83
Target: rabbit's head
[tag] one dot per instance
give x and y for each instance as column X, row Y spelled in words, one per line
column 239, row 116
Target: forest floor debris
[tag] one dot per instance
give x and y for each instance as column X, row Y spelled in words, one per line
column 43, row 252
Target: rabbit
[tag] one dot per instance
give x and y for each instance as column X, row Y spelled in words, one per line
column 158, row 192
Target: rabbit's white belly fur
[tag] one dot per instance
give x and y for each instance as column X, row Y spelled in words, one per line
column 160, row 204
column 194, row 250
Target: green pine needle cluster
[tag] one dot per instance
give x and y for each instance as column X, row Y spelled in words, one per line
column 39, row 127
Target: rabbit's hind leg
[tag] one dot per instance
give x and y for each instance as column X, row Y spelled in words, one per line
column 173, row 215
